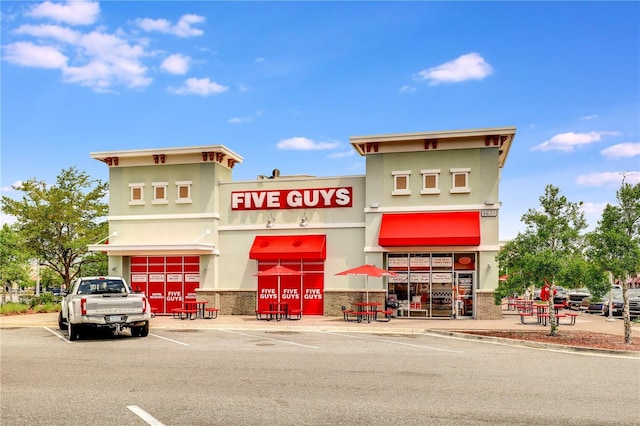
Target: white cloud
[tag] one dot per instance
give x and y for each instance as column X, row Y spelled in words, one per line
column 6, row 219
column 407, row 89
column 593, row 208
column 608, row 178
column 176, row 64
column 100, row 61
column 471, row 66
column 72, row 12
column 11, row 187
column 589, row 117
column 567, row 142
column 622, row 150
column 342, row 154
column 111, row 60
column 27, row 54
column 260, row 60
column 300, row 143
column 199, row 86
column 247, row 119
column 55, row 32
column 238, row 120
column 182, row 29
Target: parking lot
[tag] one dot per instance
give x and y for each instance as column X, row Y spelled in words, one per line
column 244, row 377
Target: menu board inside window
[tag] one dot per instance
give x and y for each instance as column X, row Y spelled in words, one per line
column 399, row 278
column 398, row 261
column 442, row 261
column 419, row 261
column 442, row 277
column 419, row 277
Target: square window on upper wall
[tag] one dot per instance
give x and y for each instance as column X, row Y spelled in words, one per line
column 460, row 181
column 136, row 194
column 183, row 192
column 430, row 181
column 160, row 193
column 401, row 182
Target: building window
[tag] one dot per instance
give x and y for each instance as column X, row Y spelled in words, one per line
column 160, row 193
column 401, row 183
column 460, row 181
column 430, row 181
column 183, row 191
column 136, row 191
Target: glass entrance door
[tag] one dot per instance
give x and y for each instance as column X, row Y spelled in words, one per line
column 463, row 289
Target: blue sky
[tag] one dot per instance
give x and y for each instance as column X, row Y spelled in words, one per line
column 285, row 84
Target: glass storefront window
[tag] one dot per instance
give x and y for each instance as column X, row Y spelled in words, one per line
column 430, row 284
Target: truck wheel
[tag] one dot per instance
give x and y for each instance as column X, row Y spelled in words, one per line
column 61, row 324
column 140, row 331
column 74, row 332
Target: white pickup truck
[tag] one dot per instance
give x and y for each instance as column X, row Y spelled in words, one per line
column 105, row 302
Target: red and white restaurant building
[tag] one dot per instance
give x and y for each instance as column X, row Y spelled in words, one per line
column 427, row 208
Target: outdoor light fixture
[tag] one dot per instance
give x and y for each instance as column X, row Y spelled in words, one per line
column 303, row 221
column 271, row 222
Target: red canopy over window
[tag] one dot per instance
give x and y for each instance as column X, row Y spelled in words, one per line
column 289, row 247
column 430, row 229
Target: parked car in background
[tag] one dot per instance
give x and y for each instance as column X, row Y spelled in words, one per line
column 634, row 308
column 577, row 296
column 597, row 307
column 617, row 303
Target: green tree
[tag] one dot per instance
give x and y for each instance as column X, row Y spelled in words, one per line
column 545, row 252
column 14, row 261
column 615, row 243
column 56, row 223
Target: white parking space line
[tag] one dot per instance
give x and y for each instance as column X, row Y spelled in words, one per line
column 352, row 336
column 169, row 340
column 268, row 338
column 148, row 418
column 58, row 335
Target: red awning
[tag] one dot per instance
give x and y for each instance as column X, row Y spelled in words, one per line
column 430, row 229
column 289, row 247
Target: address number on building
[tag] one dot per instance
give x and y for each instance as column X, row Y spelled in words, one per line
column 489, row 213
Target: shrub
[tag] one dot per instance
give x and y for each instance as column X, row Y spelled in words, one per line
column 13, row 308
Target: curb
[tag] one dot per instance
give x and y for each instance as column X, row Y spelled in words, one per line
column 534, row 345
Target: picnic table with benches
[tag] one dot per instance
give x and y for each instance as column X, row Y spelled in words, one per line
column 367, row 311
column 195, row 309
column 540, row 313
column 278, row 311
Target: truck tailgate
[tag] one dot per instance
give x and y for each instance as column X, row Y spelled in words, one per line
column 97, row 305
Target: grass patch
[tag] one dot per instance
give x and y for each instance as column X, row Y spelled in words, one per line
column 11, row 308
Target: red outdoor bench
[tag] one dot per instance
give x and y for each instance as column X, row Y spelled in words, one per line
column 572, row 316
column 269, row 315
column 182, row 313
column 524, row 314
column 387, row 315
column 211, row 313
column 294, row 314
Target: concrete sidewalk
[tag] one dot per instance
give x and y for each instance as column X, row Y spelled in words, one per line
column 510, row 321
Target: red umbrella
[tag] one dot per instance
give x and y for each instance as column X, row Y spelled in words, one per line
column 278, row 271
column 368, row 271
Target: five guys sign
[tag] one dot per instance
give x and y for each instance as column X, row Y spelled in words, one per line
column 317, row 198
